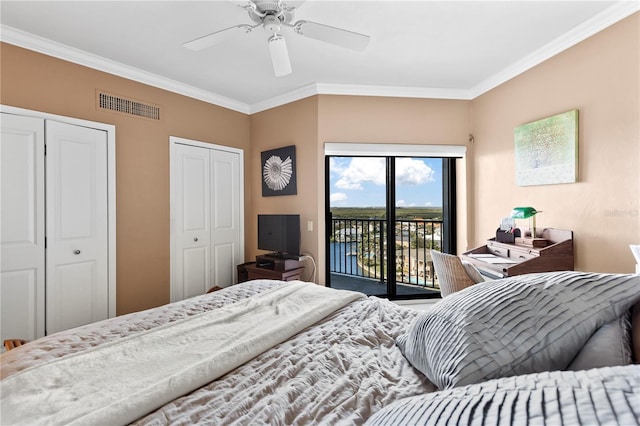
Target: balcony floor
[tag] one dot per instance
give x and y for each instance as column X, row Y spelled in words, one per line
column 376, row 288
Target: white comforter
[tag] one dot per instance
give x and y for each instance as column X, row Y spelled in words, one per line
column 341, row 370
column 120, row 381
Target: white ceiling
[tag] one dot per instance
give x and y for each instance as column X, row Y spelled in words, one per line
column 439, row 49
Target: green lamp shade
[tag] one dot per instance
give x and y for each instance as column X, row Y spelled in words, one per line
column 523, row 212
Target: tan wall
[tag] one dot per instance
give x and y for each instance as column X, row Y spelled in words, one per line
column 38, row 82
column 600, row 77
column 292, row 124
column 393, row 120
column 309, row 123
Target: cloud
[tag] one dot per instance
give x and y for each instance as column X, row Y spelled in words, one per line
column 413, row 172
column 353, row 174
column 361, row 170
column 337, row 165
column 337, row 197
column 403, row 203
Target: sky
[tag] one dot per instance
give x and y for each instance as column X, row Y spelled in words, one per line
column 360, row 182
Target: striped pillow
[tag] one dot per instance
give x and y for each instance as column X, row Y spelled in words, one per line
column 519, row 325
column 607, row 395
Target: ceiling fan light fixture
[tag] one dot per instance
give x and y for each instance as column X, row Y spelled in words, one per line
column 271, row 24
column 274, row 15
column 279, row 55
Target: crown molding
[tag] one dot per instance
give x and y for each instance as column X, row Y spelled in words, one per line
column 393, row 91
column 610, row 16
column 285, row 98
column 606, row 18
column 48, row 47
column 358, row 90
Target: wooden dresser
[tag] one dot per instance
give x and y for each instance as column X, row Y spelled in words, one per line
column 275, row 268
column 264, row 273
column 499, row 260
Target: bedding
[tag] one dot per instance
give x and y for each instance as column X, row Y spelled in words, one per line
column 81, row 338
column 162, row 364
column 520, row 325
column 610, row 345
column 341, row 370
column 609, row 395
column 347, row 366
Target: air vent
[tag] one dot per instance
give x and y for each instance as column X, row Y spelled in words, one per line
column 127, row 106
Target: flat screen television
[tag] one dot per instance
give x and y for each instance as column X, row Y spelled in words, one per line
column 279, row 234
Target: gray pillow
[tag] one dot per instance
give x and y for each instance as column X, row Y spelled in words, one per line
column 607, row 395
column 519, row 325
column 610, row 345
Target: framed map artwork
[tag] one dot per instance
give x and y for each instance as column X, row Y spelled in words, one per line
column 546, row 151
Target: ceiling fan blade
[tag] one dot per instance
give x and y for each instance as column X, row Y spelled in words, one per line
column 333, row 35
column 218, row 37
column 279, row 55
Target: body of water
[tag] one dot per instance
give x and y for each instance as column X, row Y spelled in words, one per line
column 343, row 258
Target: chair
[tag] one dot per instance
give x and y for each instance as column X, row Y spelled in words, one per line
column 13, row 343
column 453, row 274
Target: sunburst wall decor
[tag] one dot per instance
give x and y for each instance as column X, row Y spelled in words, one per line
column 279, row 171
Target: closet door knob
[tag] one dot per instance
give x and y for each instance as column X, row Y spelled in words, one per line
column 195, row 239
column 76, row 252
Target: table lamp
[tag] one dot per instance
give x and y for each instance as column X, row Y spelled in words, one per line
column 526, row 213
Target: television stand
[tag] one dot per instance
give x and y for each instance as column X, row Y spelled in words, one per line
column 277, row 262
column 274, row 268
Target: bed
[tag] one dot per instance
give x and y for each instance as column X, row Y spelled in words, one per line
column 305, row 354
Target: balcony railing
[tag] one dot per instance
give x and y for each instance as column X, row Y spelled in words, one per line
column 359, row 248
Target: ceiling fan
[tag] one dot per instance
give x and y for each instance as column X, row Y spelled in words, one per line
column 273, row 16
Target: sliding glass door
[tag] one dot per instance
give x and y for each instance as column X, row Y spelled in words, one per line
column 384, row 214
column 358, row 224
column 417, row 221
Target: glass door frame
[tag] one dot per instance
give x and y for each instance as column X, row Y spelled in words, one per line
column 449, row 223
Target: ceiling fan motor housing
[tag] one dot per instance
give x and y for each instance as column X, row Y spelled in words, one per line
column 271, row 24
column 270, row 10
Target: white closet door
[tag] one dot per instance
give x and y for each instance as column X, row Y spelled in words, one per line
column 226, row 226
column 192, row 211
column 22, row 259
column 77, row 226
